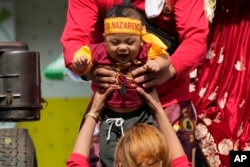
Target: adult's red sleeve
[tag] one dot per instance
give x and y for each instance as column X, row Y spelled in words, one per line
column 192, row 27
column 81, row 20
column 77, row 160
column 181, row 161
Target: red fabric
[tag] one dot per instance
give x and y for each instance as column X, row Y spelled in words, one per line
column 85, row 25
column 181, row 161
column 127, row 96
column 78, row 160
column 222, row 94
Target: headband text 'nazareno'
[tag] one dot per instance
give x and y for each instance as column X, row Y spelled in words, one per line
column 122, row 25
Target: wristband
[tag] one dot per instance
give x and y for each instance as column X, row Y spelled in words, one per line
column 96, row 118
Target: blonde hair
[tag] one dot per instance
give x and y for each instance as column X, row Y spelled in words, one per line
column 209, row 7
column 142, row 146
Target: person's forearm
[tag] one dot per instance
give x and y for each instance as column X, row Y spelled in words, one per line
column 169, row 133
column 76, row 32
column 163, row 61
column 192, row 27
column 164, row 124
column 84, row 139
column 165, row 64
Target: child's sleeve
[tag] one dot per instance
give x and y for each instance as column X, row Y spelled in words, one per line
column 83, row 51
column 158, row 48
column 155, row 51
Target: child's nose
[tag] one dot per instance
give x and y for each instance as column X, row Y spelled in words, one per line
column 122, row 48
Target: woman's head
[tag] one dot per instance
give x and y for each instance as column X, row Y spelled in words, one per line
column 142, row 146
column 122, row 32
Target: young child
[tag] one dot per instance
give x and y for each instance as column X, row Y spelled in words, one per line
column 124, row 49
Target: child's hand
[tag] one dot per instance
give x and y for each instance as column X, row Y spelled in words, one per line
column 80, row 63
column 154, row 72
column 152, row 66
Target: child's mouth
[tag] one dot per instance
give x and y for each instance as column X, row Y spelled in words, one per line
column 123, row 55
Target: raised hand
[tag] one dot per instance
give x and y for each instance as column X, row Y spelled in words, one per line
column 80, row 63
column 150, row 74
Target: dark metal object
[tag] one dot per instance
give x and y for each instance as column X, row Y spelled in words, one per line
column 4, row 46
column 20, row 90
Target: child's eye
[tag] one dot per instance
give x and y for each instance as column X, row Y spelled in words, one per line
column 130, row 42
column 114, row 42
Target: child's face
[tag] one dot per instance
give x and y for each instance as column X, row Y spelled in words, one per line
column 123, row 47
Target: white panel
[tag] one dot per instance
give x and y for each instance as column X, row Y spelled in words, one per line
column 39, row 23
column 7, row 21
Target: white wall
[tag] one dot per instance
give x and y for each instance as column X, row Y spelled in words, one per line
column 7, row 30
column 39, row 23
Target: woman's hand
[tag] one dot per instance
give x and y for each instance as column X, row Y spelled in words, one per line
column 99, row 100
column 148, row 78
column 103, row 76
column 152, row 99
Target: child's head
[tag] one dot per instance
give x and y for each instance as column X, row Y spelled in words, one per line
column 142, row 146
column 122, row 33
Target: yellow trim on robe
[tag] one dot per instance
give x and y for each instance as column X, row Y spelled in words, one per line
column 153, row 39
column 83, row 51
column 155, row 51
column 157, row 48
